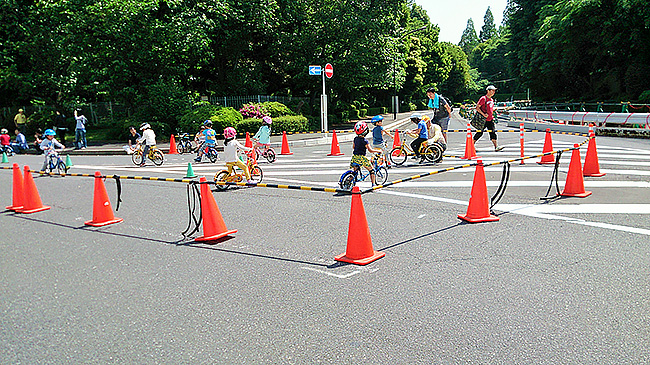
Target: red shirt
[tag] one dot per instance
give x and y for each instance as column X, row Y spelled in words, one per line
column 487, row 105
column 5, row 139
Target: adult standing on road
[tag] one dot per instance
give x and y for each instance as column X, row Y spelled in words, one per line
column 20, row 120
column 60, row 126
column 80, row 130
column 441, row 110
column 485, row 107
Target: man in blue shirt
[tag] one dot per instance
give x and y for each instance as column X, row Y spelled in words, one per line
column 421, row 132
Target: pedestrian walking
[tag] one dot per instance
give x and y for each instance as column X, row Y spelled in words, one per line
column 485, row 107
column 80, row 130
column 441, row 110
column 20, row 120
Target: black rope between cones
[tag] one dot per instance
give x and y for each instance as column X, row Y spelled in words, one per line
column 554, row 177
column 505, row 176
column 193, row 196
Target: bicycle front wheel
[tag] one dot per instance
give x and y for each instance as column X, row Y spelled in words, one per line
column 158, row 158
column 221, row 176
column 256, row 174
column 381, row 175
column 136, row 157
column 61, row 168
column 397, row 156
column 212, row 154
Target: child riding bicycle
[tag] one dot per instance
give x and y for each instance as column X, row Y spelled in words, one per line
column 360, row 146
column 149, row 139
column 422, row 135
column 231, row 145
column 49, row 145
column 210, row 139
column 263, row 135
column 378, row 133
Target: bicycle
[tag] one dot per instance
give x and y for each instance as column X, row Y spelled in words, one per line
column 8, row 150
column 184, row 144
column 154, row 155
column 267, row 153
column 209, row 151
column 55, row 164
column 350, row 178
column 235, row 177
column 399, row 154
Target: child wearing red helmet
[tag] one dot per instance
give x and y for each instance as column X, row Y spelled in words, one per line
column 360, row 146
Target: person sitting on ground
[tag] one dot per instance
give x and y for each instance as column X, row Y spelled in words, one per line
column 421, row 133
column 231, row 145
column 49, row 145
column 20, row 145
column 210, row 139
column 360, row 146
column 263, row 135
column 149, row 140
column 133, row 141
column 5, row 141
column 378, row 137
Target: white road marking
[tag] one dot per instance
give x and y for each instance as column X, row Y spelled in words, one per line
column 332, row 274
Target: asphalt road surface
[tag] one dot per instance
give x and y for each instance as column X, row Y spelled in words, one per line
column 557, row 281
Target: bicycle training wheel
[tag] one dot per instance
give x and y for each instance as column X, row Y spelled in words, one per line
column 158, row 158
column 347, row 180
column 381, row 175
column 256, row 174
column 212, row 154
column 221, row 176
column 270, row 156
column 136, row 157
column 397, row 156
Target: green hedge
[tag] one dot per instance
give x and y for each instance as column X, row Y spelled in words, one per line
column 289, row 123
column 221, row 118
column 376, row 111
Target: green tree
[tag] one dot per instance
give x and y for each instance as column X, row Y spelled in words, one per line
column 489, row 30
column 469, row 39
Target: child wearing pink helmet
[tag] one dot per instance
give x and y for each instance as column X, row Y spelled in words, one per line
column 231, row 145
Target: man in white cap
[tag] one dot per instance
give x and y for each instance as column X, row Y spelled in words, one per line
column 485, row 107
column 20, row 120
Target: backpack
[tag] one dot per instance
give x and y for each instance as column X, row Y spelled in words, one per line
column 442, row 113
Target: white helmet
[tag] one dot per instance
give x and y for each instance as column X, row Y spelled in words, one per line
column 144, row 126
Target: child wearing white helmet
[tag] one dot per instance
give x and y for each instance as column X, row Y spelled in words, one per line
column 231, row 145
column 49, row 145
column 149, row 139
column 360, row 146
column 263, row 135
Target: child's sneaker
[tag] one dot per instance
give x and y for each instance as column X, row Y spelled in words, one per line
column 499, row 148
column 250, row 182
column 198, row 159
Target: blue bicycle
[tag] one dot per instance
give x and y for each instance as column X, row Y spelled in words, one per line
column 350, row 178
column 55, row 164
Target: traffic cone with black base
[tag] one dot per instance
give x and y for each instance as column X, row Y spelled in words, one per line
column 285, row 145
column 548, row 147
column 31, row 200
column 592, row 167
column 17, row 190
column 172, row 146
column 335, row 151
column 479, row 209
column 213, row 225
column 102, row 210
column 575, row 183
column 359, row 249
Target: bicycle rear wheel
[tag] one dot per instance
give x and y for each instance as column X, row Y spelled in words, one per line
column 348, row 180
column 158, row 157
column 221, row 176
column 256, row 174
column 397, row 156
column 136, row 157
column 270, row 155
column 381, row 175
column 212, row 154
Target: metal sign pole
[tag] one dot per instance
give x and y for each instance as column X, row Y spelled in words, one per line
column 323, row 107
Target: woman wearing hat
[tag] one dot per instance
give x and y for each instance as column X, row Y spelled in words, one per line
column 485, row 107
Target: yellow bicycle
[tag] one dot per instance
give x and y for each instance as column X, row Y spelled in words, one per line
column 238, row 175
column 154, row 155
column 399, row 154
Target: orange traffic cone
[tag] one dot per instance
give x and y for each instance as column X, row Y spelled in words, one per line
column 172, row 145
column 548, row 147
column 31, row 200
column 248, row 142
column 478, row 210
column 336, row 151
column 17, row 190
column 102, row 210
column 592, row 167
column 213, row 225
column 470, row 151
column 396, row 141
column 575, row 183
column 285, row 145
column 359, row 250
